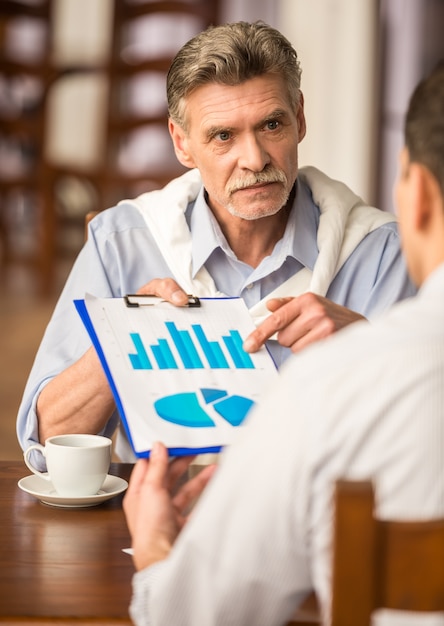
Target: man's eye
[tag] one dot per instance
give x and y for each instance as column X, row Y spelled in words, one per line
column 272, row 124
column 224, row 135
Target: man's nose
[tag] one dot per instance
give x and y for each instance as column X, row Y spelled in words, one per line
column 252, row 154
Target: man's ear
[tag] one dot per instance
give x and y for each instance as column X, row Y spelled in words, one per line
column 302, row 126
column 424, row 188
column 180, row 143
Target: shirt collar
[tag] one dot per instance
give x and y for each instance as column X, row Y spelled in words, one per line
column 299, row 240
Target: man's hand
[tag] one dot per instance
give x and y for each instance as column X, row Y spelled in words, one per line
column 300, row 321
column 154, row 515
column 167, row 289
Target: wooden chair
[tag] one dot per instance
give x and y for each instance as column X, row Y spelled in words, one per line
column 382, row 564
column 31, row 217
column 27, row 215
column 142, row 117
column 113, row 177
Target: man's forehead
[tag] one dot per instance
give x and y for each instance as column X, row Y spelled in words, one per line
column 226, row 105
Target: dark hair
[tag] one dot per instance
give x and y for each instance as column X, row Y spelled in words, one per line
column 229, row 55
column 424, row 124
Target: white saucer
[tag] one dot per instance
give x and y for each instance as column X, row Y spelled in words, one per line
column 44, row 491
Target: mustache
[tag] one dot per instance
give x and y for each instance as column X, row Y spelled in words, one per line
column 272, row 175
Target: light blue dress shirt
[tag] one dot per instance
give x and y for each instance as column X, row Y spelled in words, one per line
column 121, row 255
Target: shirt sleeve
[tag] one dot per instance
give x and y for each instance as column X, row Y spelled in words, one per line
column 140, row 602
column 65, row 339
column 375, row 275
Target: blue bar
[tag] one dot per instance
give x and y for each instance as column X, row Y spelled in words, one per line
column 211, row 349
column 231, row 346
column 248, row 363
column 196, row 362
column 135, row 362
column 164, row 356
column 141, row 360
column 241, row 359
column 222, row 362
column 158, row 355
column 168, row 355
column 185, row 347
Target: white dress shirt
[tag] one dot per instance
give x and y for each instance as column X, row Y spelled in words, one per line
column 366, row 403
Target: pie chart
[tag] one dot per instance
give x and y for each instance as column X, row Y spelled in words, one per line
column 185, row 409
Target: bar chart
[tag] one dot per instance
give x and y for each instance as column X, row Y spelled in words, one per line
column 189, row 349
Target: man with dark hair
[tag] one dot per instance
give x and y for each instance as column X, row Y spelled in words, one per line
column 366, row 404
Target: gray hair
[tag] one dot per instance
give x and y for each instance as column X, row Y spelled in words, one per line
column 229, row 55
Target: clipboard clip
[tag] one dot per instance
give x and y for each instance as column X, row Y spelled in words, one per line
column 135, row 300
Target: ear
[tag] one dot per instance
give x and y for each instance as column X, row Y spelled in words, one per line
column 180, row 143
column 300, row 115
column 424, row 190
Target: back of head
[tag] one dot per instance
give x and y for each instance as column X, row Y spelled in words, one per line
column 229, row 55
column 424, row 126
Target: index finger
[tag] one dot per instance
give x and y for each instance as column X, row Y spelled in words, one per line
column 193, row 488
column 177, row 469
column 278, row 320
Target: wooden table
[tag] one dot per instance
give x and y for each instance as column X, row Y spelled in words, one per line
column 65, row 567
column 62, row 566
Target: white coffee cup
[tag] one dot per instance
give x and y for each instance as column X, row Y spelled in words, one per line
column 77, row 464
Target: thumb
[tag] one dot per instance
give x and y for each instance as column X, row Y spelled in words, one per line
column 158, row 465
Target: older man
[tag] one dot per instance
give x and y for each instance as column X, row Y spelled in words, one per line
column 244, row 221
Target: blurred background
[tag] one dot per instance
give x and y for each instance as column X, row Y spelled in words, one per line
column 83, row 123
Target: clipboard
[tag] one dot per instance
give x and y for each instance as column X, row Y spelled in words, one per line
column 178, row 374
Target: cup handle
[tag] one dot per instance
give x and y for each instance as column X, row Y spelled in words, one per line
column 37, row 446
